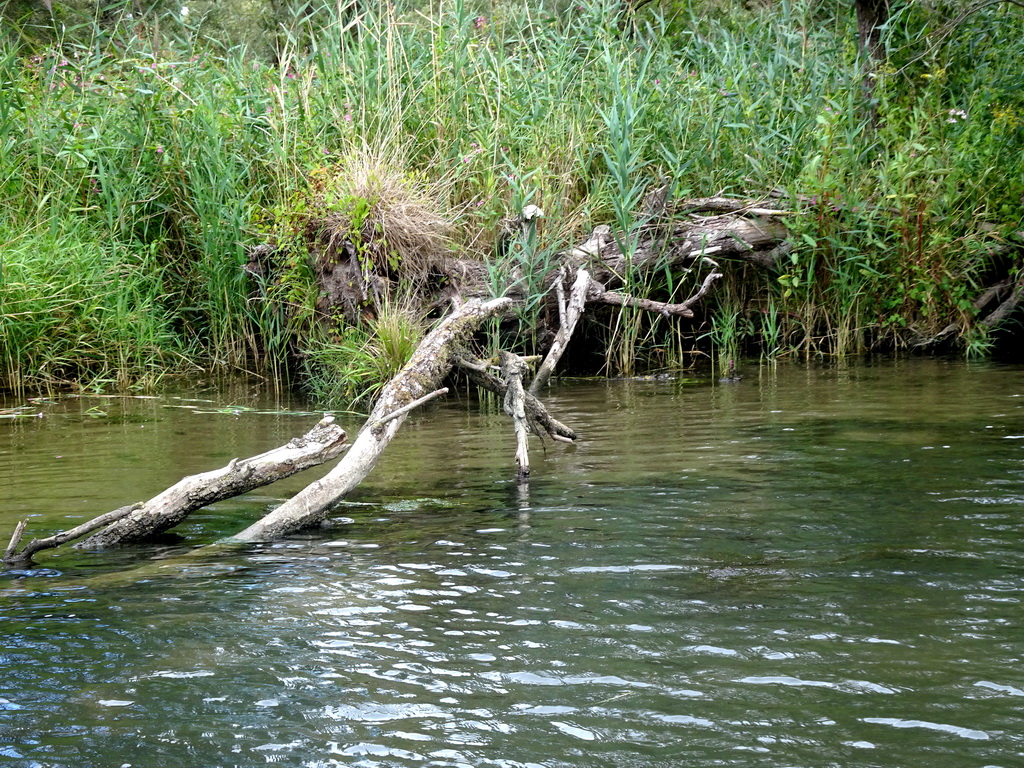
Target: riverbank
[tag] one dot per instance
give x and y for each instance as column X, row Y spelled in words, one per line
column 143, row 163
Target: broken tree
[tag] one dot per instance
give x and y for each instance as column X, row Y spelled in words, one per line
column 590, row 274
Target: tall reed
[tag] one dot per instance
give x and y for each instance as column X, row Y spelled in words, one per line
column 162, row 154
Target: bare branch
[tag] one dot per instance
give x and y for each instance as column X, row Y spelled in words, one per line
column 19, row 530
column 24, row 557
column 704, row 288
column 410, row 407
column 619, row 299
column 571, row 315
column 535, row 410
column 513, row 368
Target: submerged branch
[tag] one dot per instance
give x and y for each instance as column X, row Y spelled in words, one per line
column 23, row 558
column 538, row 414
column 513, row 368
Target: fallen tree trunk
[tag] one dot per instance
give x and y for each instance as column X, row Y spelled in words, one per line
column 324, row 442
column 1009, row 297
column 424, row 373
column 15, row 558
column 144, row 520
column 1007, row 294
column 716, row 227
column 737, row 234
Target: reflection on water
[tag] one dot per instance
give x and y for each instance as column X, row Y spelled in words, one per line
column 814, row 568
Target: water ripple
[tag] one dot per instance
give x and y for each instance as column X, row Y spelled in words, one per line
column 751, row 577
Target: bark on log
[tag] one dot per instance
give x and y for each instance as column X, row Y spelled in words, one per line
column 731, row 229
column 513, row 368
column 689, row 230
column 1007, row 293
column 423, row 374
column 323, row 442
column 727, row 205
column 760, row 240
column 1005, row 308
column 871, row 17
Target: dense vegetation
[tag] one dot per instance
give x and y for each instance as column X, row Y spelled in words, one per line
column 143, row 152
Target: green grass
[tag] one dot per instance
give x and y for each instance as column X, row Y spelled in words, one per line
column 349, row 368
column 74, row 311
column 150, row 157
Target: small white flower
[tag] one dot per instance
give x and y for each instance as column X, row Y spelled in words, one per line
column 532, row 212
column 184, row 11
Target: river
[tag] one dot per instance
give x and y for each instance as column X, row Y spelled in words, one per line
column 809, row 567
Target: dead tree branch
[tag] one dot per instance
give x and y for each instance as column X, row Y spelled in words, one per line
column 411, row 406
column 143, row 520
column 513, row 368
column 477, row 370
column 323, row 442
column 569, row 315
column 1005, row 308
column 23, row 559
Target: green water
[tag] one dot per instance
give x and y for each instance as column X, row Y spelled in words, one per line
column 812, row 568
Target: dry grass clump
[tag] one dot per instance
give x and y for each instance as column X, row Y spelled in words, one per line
column 368, row 209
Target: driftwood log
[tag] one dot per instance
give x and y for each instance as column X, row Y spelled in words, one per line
column 144, row 520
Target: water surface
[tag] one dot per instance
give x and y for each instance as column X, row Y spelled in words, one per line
column 807, row 568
